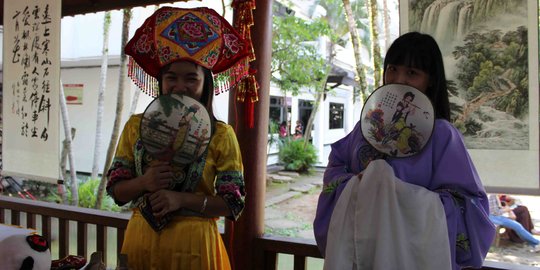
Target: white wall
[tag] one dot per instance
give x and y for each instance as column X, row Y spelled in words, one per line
column 84, row 117
column 322, row 135
column 82, row 45
column 81, row 61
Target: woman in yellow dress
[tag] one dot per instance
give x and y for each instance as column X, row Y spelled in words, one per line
column 180, row 50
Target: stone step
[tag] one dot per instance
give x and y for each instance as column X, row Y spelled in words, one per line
column 303, row 188
column 281, row 198
column 289, row 173
column 276, row 178
column 281, row 224
column 317, row 184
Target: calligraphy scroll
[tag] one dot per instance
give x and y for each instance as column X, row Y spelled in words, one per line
column 31, row 59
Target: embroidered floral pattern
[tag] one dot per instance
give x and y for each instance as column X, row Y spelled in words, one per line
column 195, row 172
column 232, row 42
column 143, row 44
column 165, row 54
column 463, row 242
column 194, row 30
column 188, row 34
column 330, row 187
column 333, row 185
column 230, row 186
column 212, row 57
column 213, row 20
column 163, row 16
column 120, row 169
column 367, row 153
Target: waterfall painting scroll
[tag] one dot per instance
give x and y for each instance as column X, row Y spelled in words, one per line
column 490, row 49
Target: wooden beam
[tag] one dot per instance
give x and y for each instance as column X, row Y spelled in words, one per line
column 78, row 7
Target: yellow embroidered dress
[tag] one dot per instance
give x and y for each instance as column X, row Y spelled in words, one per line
column 186, row 242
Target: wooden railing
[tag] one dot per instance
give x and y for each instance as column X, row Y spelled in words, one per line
column 302, row 249
column 271, row 246
column 43, row 213
column 268, row 247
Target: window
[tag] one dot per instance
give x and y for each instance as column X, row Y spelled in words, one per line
column 304, row 110
column 336, row 115
column 277, row 109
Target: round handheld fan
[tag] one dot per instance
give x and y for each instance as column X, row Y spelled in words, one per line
column 397, row 120
column 175, row 128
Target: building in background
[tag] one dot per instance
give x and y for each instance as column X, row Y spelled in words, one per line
column 81, row 50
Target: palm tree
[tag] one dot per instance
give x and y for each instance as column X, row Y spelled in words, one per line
column 375, row 48
column 355, row 40
column 386, row 25
column 67, row 146
column 101, row 93
column 119, row 105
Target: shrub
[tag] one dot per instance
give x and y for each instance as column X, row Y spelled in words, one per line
column 87, row 196
column 295, row 157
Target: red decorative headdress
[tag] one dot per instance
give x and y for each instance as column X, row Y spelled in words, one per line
column 199, row 35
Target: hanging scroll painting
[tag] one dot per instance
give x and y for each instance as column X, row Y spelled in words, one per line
column 490, row 49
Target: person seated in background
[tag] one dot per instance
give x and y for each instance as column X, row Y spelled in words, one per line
column 505, row 217
column 283, row 130
column 298, row 130
column 522, row 215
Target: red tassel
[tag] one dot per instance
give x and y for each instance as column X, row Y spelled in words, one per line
column 250, row 113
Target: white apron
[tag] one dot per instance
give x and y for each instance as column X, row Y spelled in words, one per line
column 384, row 223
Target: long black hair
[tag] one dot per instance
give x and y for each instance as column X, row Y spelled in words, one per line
column 421, row 51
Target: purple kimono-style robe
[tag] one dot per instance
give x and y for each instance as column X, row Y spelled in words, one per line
column 443, row 166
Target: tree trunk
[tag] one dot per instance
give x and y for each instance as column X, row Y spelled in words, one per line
column 134, row 102
column 318, row 97
column 477, row 102
column 119, row 106
column 386, row 24
column 223, row 6
column 355, row 39
column 63, row 162
column 67, row 134
column 307, row 131
column 285, row 106
column 101, row 93
column 375, row 48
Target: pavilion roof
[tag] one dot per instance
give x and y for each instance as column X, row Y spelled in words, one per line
column 77, row 7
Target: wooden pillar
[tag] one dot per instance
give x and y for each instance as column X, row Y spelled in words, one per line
column 253, row 143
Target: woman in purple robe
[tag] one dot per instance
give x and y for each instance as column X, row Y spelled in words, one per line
column 443, row 166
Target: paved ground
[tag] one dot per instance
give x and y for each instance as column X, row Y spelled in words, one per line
column 291, row 201
column 519, row 253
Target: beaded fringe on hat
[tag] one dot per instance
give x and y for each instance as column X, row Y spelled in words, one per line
column 227, row 79
column 222, row 81
column 145, row 82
